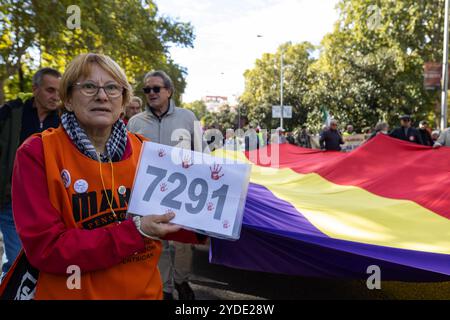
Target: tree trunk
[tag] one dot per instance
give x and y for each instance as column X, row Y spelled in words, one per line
column 21, row 78
column 2, row 92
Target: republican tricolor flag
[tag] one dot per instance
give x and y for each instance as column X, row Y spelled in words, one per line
column 333, row 214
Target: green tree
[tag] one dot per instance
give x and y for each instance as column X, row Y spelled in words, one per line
column 371, row 65
column 17, row 30
column 262, row 85
column 224, row 118
column 370, row 68
column 130, row 31
column 198, row 107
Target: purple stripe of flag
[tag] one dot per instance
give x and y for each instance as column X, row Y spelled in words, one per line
column 276, row 238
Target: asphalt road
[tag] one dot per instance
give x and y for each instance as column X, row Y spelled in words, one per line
column 211, row 281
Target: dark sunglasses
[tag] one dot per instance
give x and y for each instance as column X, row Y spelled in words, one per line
column 150, row 89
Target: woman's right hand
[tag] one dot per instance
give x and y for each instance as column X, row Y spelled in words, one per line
column 159, row 225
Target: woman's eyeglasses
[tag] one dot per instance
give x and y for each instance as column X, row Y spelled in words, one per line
column 90, row 89
column 150, row 89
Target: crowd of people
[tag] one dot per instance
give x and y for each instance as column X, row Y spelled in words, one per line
column 332, row 139
column 66, row 155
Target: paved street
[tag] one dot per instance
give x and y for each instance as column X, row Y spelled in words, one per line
column 219, row 282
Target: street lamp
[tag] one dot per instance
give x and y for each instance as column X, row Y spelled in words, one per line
column 281, row 88
column 444, row 94
column 239, row 115
column 281, row 83
column 235, row 96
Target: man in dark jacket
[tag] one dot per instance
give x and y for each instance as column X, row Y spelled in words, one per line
column 19, row 120
column 406, row 132
column 331, row 139
column 425, row 134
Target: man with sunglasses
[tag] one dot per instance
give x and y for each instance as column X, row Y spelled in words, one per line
column 163, row 122
column 406, row 132
column 331, row 138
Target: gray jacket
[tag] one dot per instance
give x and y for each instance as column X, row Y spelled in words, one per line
column 444, row 139
column 178, row 127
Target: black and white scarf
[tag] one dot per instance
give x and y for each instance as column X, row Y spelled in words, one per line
column 115, row 146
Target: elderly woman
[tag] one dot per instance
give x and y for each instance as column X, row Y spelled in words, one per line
column 71, row 186
column 380, row 128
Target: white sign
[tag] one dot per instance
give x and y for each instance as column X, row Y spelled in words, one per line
column 206, row 193
column 287, row 112
column 353, row 141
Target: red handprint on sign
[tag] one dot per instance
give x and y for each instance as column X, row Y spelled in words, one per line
column 161, row 153
column 163, row 187
column 215, row 172
column 210, row 206
column 186, row 163
column 226, row 224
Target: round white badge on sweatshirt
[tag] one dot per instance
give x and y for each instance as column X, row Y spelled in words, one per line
column 122, row 190
column 81, row 186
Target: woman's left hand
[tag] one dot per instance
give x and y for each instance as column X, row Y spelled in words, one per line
column 159, row 225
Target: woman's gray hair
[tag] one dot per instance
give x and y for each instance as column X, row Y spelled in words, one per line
column 380, row 126
column 138, row 100
column 168, row 83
